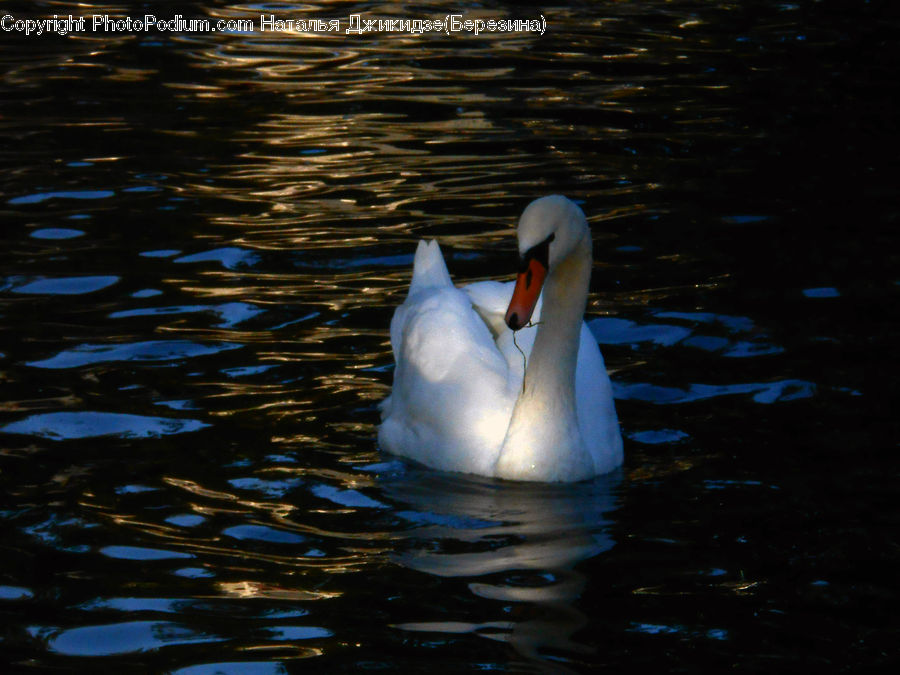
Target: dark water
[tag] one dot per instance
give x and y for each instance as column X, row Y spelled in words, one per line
column 204, row 236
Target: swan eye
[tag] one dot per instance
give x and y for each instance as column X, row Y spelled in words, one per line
column 539, row 252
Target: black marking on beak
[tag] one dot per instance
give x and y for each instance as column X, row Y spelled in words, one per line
column 539, row 252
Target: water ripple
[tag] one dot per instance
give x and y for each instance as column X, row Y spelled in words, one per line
column 219, row 225
column 762, row 392
column 119, row 638
column 156, row 350
column 66, row 285
column 73, row 425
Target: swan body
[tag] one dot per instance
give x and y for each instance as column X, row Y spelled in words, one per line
column 464, row 400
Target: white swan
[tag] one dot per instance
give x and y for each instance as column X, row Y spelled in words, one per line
column 458, row 402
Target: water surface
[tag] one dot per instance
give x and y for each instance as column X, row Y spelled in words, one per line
column 205, row 235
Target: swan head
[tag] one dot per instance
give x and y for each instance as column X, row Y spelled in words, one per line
column 550, row 228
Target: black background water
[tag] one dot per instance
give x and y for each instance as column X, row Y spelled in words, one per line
column 204, row 236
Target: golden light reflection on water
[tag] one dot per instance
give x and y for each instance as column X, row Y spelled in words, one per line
column 251, row 589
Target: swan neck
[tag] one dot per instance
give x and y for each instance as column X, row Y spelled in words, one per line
column 551, row 368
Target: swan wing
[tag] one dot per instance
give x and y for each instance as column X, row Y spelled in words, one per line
column 429, row 272
column 490, row 300
column 450, row 405
column 594, row 406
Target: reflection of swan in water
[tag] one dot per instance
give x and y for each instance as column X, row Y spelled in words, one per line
column 515, row 543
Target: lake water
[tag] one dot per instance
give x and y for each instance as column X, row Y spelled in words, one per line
column 204, row 237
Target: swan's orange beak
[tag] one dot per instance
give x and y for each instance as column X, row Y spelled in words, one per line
column 526, row 293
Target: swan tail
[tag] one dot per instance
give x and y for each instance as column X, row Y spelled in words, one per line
column 429, row 268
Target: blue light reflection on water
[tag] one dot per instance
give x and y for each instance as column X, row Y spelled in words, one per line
column 120, row 638
column 56, row 233
column 157, row 350
column 65, row 194
column 75, row 425
column 66, row 285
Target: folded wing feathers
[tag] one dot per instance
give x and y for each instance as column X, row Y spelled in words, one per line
column 429, row 268
column 429, row 271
